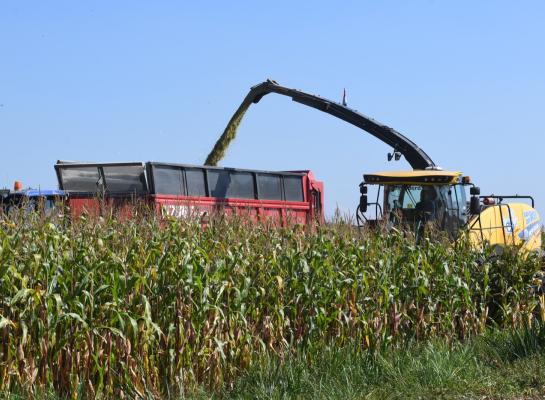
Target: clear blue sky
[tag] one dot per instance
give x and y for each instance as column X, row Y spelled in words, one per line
column 129, row 80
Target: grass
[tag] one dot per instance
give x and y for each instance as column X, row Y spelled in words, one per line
column 146, row 308
column 497, row 365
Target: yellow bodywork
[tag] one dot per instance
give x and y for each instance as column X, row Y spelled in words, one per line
column 510, row 224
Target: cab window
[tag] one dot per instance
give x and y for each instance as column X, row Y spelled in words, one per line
column 405, row 197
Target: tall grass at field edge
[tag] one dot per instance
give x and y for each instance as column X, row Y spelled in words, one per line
column 499, row 364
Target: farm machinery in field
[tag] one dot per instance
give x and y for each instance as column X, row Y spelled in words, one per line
column 44, row 200
column 415, row 199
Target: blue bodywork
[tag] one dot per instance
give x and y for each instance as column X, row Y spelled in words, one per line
column 30, row 198
column 40, row 193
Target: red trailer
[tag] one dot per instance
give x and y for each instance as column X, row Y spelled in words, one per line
column 181, row 190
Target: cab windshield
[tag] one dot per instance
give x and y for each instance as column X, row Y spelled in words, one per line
column 444, row 205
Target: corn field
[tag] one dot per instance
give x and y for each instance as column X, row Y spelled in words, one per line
column 147, row 308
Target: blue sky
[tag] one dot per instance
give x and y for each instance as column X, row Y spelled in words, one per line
column 123, row 81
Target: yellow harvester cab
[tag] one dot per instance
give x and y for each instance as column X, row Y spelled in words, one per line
column 420, row 198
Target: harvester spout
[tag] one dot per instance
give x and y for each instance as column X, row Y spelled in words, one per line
column 417, row 158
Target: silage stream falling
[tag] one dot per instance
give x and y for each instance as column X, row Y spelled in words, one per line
column 218, row 152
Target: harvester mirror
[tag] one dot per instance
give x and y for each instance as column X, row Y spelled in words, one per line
column 363, row 203
column 475, row 191
column 363, row 198
column 475, row 205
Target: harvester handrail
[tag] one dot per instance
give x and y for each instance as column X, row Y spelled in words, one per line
column 515, row 196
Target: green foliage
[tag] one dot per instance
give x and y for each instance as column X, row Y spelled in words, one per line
column 150, row 308
column 506, row 364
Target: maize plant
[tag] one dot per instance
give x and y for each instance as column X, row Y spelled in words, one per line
column 155, row 308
